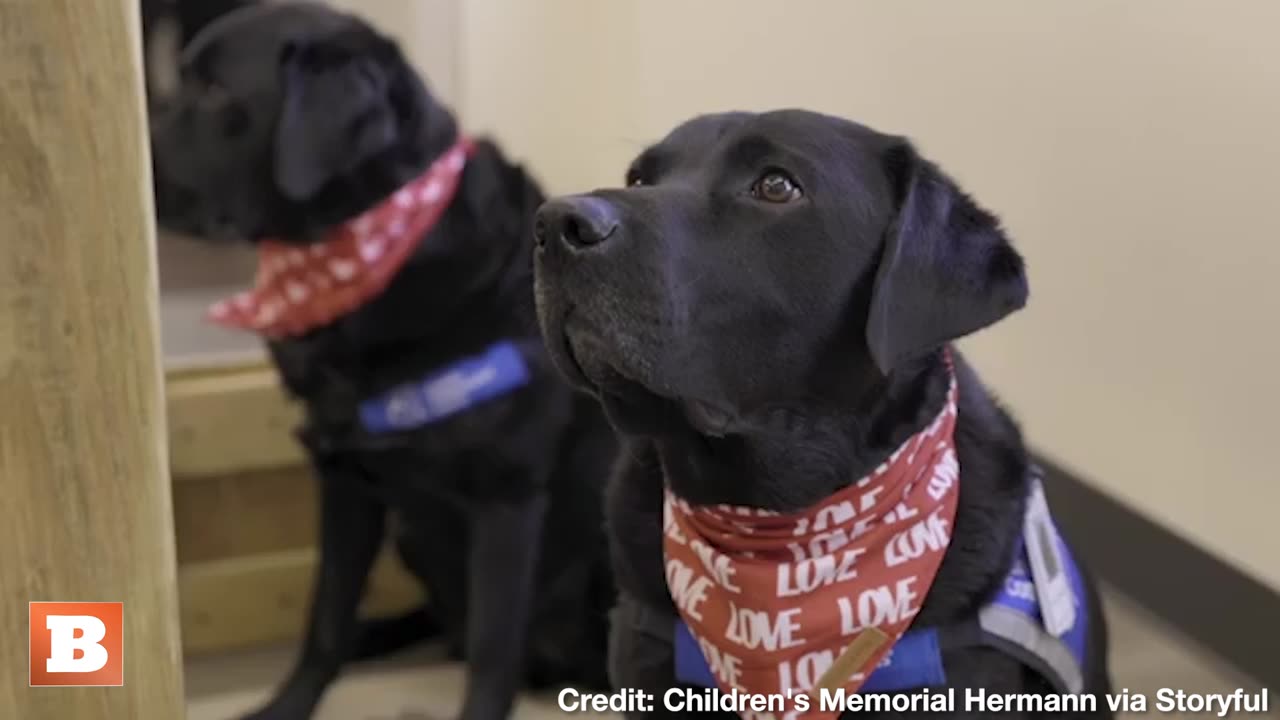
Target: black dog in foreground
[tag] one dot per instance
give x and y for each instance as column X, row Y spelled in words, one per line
column 818, row 494
column 395, row 291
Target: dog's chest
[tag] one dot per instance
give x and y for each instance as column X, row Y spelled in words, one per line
column 446, row 388
column 470, row 428
column 409, row 479
column 445, row 393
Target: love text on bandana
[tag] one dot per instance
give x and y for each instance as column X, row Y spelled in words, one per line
column 796, row 603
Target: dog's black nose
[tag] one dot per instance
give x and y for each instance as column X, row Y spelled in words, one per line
column 578, row 222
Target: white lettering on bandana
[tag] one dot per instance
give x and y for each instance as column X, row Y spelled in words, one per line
column 816, row 599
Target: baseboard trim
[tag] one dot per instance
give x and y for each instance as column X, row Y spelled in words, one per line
column 1156, row 567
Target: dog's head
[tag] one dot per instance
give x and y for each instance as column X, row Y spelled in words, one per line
column 760, row 262
column 288, row 118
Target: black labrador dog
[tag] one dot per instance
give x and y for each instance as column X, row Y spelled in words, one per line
column 766, row 312
column 431, row 408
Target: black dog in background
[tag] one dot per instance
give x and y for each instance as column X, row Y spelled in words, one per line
column 766, row 312
column 292, row 119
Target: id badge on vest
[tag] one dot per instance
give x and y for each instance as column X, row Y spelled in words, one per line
column 1053, row 587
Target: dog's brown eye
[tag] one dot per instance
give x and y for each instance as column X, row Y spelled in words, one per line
column 776, row 186
column 635, row 179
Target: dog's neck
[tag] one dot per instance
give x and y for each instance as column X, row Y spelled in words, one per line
column 300, row 289
column 798, row 456
column 469, row 287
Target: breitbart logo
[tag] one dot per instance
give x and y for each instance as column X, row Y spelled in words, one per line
column 76, row 644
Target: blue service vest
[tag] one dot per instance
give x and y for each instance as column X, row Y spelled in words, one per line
column 444, row 392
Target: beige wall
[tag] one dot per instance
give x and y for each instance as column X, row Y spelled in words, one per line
column 426, row 29
column 1133, row 148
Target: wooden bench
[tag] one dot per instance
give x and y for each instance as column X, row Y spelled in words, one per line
column 245, row 512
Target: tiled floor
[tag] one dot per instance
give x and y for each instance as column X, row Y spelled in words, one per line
column 1146, row 656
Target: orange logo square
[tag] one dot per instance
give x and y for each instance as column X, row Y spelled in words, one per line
column 76, row 644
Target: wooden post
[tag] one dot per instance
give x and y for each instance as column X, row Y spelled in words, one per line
column 84, row 483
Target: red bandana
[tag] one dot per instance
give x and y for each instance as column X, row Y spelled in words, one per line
column 300, row 288
column 816, row 599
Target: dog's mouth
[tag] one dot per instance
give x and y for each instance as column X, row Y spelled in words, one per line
column 181, row 209
column 631, row 406
column 631, row 403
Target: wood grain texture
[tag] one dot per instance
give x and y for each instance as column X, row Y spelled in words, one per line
column 83, row 458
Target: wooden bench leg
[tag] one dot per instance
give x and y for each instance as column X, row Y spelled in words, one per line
column 84, row 483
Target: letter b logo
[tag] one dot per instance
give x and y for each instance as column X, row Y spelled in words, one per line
column 76, row 644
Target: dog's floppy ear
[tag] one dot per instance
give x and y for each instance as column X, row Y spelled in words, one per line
column 947, row 269
column 336, row 113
